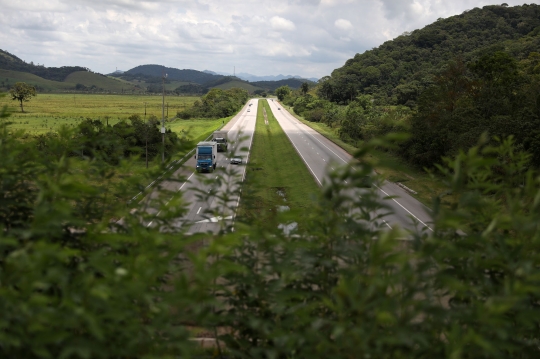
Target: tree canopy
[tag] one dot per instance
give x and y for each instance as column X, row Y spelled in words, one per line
column 22, row 92
column 400, row 69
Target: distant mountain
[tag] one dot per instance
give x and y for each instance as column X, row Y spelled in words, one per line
column 173, row 74
column 11, row 62
column 254, row 78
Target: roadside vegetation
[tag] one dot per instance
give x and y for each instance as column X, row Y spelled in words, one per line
column 109, row 129
column 74, row 284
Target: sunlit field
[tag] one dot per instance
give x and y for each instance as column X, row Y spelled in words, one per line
column 47, row 112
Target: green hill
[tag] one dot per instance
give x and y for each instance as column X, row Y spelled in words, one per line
column 11, row 62
column 399, row 70
column 237, row 84
column 157, row 71
column 81, row 81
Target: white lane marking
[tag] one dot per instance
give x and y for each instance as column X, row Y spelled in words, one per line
column 214, row 219
column 199, row 210
column 418, row 219
column 183, row 184
column 148, row 225
column 387, row 224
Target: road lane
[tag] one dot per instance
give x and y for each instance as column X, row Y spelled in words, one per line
column 203, row 192
column 322, row 155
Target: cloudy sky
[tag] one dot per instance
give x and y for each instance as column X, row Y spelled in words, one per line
column 308, row 38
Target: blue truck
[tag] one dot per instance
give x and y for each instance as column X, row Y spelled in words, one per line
column 206, row 156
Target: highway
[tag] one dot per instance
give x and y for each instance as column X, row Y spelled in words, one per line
column 321, row 156
column 209, row 211
column 203, row 192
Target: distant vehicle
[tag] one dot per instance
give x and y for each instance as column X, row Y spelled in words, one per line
column 250, row 104
column 220, row 137
column 236, row 161
column 248, row 110
column 279, row 108
column 206, row 156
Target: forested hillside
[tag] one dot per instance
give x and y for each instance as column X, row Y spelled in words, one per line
column 12, row 62
column 445, row 86
column 399, row 70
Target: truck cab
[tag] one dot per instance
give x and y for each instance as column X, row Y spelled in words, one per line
column 206, row 156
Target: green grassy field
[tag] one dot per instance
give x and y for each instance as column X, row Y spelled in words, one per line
column 277, row 176
column 46, row 112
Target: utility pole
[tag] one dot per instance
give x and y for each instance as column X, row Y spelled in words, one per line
column 163, row 119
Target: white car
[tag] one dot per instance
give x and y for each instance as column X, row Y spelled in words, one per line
column 236, row 161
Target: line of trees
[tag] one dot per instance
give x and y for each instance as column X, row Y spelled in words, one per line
column 111, row 143
column 216, row 103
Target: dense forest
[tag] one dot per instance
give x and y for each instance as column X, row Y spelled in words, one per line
column 399, row 70
column 444, row 85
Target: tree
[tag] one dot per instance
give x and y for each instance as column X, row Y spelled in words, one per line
column 22, row 92
column 282, row 92
column 304, row 88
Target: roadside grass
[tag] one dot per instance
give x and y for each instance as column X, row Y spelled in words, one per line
column 276, row 175
column 390, row 167
column 47, row 112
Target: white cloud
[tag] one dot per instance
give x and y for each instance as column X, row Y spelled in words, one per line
column 279, row 23
column 343, row 24
column 299, row 37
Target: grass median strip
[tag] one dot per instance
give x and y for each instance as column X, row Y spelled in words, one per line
column 276, row 176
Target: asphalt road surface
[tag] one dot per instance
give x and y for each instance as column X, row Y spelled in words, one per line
column 204, row 191
column 321, row 156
